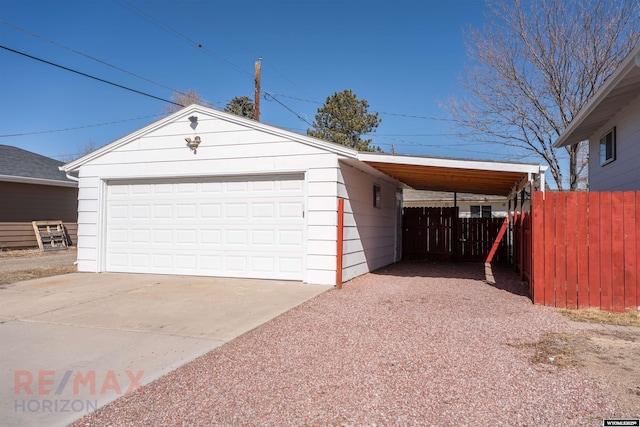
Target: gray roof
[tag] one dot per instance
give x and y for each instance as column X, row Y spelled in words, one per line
column 20, row 165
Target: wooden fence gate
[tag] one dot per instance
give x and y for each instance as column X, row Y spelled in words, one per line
column 438, row 234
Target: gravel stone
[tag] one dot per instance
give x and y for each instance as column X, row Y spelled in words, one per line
column 411, row 344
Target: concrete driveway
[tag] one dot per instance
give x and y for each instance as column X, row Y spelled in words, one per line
column 72, row 343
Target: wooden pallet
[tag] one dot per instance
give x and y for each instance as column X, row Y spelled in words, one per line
column 51, row 235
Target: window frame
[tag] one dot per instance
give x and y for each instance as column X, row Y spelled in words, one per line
column 602, row 145
column 376, row 196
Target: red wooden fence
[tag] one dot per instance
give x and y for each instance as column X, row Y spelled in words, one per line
column 438, row 233
column 478, row 236
column 585, row 250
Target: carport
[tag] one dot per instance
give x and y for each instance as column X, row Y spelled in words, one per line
column 510, row 179
column 458, row 175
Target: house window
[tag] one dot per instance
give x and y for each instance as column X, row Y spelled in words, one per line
column 481, row 211
column 608, row 147
column 376, row 196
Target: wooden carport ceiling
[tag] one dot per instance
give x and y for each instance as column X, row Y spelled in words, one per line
column 452, row 179
column 454, row 175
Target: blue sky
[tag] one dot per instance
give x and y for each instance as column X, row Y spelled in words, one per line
column 404, row 57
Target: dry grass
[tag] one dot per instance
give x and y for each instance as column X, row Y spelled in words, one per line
column 35, row 273
column 17, row 253
column 630, row 318
column 557, row 349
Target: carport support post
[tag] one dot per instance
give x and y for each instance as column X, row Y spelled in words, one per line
column 455, row 242
column 340, row 240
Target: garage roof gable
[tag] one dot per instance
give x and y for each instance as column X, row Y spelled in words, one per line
column 232, row 118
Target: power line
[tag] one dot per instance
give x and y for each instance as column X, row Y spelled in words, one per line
column 146, row 16
column 89, row 76
column 416, row 117
column 268, row 95
column 77, row 127
column 90, row 57
column 203, row 18
column 379, row 112
column 297, row 99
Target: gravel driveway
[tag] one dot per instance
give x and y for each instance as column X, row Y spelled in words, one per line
column 408, row 345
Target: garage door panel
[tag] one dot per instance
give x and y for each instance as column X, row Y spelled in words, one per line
column 290, row 237
column 262, row 264
column 290, row 265
column 236, row 210
column 263, row 237
column 210, row 211
column 235, row 227
column 186, row 211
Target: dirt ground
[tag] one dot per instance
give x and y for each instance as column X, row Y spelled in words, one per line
column 610, row 353
column 27, row 264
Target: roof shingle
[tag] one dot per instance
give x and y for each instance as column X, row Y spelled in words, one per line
column 19, row 163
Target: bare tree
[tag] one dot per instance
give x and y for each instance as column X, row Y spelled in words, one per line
column 184, row 98
column 534, row 65
column 83, row 150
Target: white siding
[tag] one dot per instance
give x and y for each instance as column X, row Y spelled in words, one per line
column 623, row 173
column 226, row 149
column 369, row 232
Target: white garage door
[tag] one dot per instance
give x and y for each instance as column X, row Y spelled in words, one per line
column 233, row 227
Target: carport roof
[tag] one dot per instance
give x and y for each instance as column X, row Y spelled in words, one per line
column 454, row 175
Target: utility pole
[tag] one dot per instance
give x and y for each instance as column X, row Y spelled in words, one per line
column 256, row 111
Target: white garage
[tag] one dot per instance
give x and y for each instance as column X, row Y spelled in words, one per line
column 248, row 200
column 232, row 226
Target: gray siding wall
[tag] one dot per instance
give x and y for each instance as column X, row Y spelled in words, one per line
column 624, row 173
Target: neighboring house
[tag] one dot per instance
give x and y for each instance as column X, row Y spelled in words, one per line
column 245, row 199
column 469, row 205
column 32, row 188
column 610, row 121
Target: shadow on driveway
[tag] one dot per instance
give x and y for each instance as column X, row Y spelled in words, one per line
column 505, row 278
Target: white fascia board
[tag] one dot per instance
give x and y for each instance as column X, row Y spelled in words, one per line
column 610, row 83
column 38, row 181
column 452, row 163
column 232, row 118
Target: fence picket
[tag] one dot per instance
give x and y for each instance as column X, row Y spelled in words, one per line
column 594, row 250
column 538, row 258
column 561, row 250
column 549, row 252
column 630, row 248
column 572, row 249
column 617, row 252
column 637, row 250
column 605, row 251
column 582, row 245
